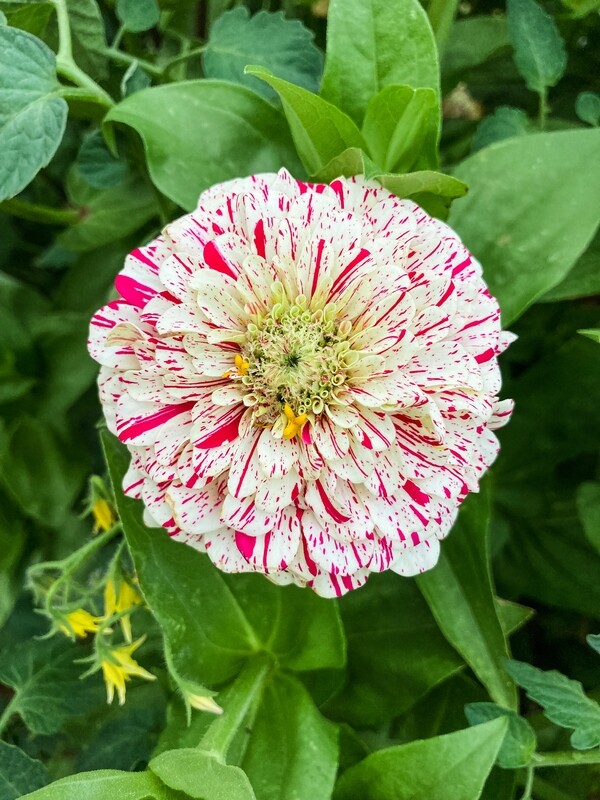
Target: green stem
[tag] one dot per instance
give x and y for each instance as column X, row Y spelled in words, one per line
column 441, row 15
column 125, row 58
column 240, row 698
column 197, row 51
column 528, row 783
column 7, row 714
column 543, row 109
column 568, row 758
column 39, row 213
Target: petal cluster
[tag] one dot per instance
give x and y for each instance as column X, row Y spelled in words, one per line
column 306, row 377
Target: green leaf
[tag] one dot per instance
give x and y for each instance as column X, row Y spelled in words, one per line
column 283, row 46
column 588, row 508
column 504, row 123
column 97, row 165
column 19, row 773
column 236, row 133
column 3, row 20
column 12, row 545
column 519, row 742
column 32, row 115
column 512, row 616
column 545, row 214
column 109, row 784
column 396, row 653
column 47, row 683
column 401, row 128
column 591, row 333
column 31, row 17
column 593, row 639
column 434, row 191
column 459, row 593
column 201, row 775
column 293, row 750
column 107, row 214
column 137, row 16
column 540, row 53
column 563, row 700
column 89, row 40
column 320, row 130
column 587, row 108
column 473, row 41
column 375, row 43
column 242, row 614
column 352, row 161
column 450, row 767
column 581, row 281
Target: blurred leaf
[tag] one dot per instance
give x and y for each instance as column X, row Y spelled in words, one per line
column 134, row 80
column 19, row 773
column 563, row 700
column 236, row 133
column 12, row 545
column 545, row 214
column 242, row 614
column 320, row 130
column 581, row 281
column 588, row 506
column 137, row 16
column 32, row 116
column 293, row 750
column 450, row 767
column 375, row 43
column 47, row 683
column 32, row 17
column 459, row 593
column 504, row 123
column 401, row 128
column 283, row 46
column 591, row 333
column 108, row 784
column 472, row 41
column 582, row 7
column 519, row 742
column 201, row 775
column 593, row 639
column 97, row 165
column 540, row 53
column 587, row 108
column 107, row 214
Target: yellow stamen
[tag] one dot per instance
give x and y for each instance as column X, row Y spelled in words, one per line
column 79, row 623
column 295, row 423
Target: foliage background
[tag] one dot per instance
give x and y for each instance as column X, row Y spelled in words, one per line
column 90, row 170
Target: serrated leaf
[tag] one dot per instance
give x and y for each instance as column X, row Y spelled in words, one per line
column 519, row 742
column 236, row 133
column 587, row 108
column 375, row 43
column 97, row 165
column 32, row 115
column 540, row 53
column 283, row 46
column 320, row 130
column 563, row 700
column 137, row 16
column 47, row 683
column 504, row 123
column 19, row 773
column 450, row 767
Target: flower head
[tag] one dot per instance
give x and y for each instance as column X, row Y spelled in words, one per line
column 118, row 667
column 306, row 377
column 119, row 600
column 79, row 623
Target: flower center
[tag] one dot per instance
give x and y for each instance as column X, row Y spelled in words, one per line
column 293, row 362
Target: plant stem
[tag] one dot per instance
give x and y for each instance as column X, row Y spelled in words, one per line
column 197, row 51
column 441, row 15
column 7, row 714
column 246, row 689
column 543, row 109
column 528, row 783
column 39, row 213
column 125, row 58
column 568, row 758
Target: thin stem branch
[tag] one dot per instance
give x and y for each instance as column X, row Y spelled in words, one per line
column 567, row 758
column 7, row 714
column 528, row 783
column 543, row 109
column 125, row 58
column 39, row 213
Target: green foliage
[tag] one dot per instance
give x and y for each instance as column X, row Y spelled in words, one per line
column 587, row 108
column 137, row 15
column 563, row 700
column 19, row 774
column 504, row 123
column 106, row 785
column 201, row 775
column 539, row 49
column 97, row 165
column 520, row 740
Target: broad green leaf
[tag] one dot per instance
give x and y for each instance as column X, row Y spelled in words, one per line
column 201, row 775
column 401, row 128
column 31, row 17
column 504, row 123
column 242, row 614
column 591, row 333
column 375, row 43
column 293, row 751
column 235, row 133
column 583, row 280
column 588, row 507
column 396, row 653
column 593, row 639
column 109, row 784
column 519, row 743
column 320, row 130
column 19, row 773
column 512, row 616
column 283, row 46
column 137, row 15
column 545, row 214
column 32, row 115
column 450, row 767
column 352, row 161
column 587, row 108
column 460, row 595
column 434, row 191
column 107, row 214
column 473, row 41
column 540, row 53
column 563, row 700
column 47, row 683
column 89, row 39
column 97, row 165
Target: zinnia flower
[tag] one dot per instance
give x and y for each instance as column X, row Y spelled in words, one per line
column 306, row 377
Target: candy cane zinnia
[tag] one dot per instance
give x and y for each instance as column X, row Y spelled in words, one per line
column 306, row 378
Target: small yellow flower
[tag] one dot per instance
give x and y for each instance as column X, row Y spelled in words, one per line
column 104, row 517
column 118, row 667
column 117, row 601
column 294, row 423
column 79, row 623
